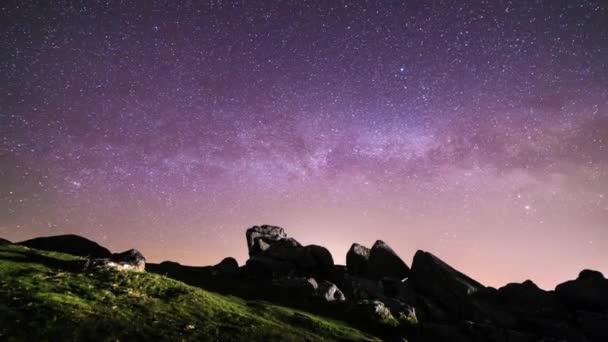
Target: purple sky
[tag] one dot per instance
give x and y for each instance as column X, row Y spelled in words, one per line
column 474, row 130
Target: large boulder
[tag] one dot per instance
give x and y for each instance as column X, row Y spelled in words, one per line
column 432, row 277
column 70, row 244
column 131, row 260
column 357, row 259
column 321, row 257
column 588, row 292
column 259, row 238
column 384, row 262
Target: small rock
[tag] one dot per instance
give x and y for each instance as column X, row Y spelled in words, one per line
column 329, row 292
column 373, row 310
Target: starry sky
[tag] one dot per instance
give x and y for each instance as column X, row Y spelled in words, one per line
column 477, row 130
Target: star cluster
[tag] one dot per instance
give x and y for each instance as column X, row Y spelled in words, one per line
column 476, row 130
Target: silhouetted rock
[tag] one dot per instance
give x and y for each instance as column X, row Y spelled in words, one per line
column 384, row 262
column 357, row 259
column 131, row 260
column 594, row 325
column 527, row 297
column 433, row 277
column 272, row 252
column 4, row 242
column 70, row 244
column 259, row 238
column 227, row 267
column 323, row 261
column 588, row 292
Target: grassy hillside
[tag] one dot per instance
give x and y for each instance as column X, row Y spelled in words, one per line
column 45, row 296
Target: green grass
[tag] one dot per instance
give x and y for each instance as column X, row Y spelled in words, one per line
column 45, row 296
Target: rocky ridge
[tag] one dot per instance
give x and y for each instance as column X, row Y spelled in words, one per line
column 429, row 301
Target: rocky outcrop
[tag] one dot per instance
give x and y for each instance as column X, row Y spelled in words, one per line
column 272, row 252
column 69, row 244
column 259, row 238
column 131, row 260
column 378, row 262
column 432, row 301
column 588, row 292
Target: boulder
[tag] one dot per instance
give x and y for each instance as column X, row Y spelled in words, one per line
column 131, row 260
column 329, row 292
column 323, row 261
column 588, row 292
column 271, row 242
column 70, row 244
column 372, row 310
column 227, row 267
column 357, row 259
column 436, row 279
column 384, row 262
column 259, row 238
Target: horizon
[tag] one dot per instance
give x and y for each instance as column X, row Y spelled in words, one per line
column 477, row 132
column 341, row 260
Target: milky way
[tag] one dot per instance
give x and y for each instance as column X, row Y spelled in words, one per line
column 475, row 130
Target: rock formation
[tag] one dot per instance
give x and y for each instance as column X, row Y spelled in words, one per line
column 432, row 301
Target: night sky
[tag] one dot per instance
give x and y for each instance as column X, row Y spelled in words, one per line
column 475, row 130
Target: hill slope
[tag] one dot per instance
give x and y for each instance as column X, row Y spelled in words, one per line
column 46, row 296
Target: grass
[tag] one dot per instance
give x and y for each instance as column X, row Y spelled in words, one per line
column 45, row 296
